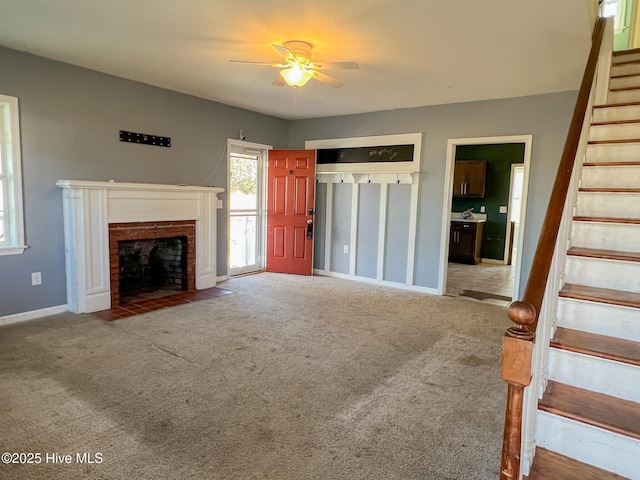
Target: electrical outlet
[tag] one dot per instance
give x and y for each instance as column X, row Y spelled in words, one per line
column 483, row 209
column 346, row 249
column 36, row 278
column 503, row 209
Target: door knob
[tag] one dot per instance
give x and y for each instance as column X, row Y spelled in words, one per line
column 309, row 229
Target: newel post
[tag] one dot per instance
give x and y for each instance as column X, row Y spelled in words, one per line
column 517, row 349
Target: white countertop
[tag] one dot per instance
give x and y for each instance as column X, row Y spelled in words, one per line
column 475, row 217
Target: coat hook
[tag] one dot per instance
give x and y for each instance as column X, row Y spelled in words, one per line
column 397, row 178
column 368, row 178
column 341, row 180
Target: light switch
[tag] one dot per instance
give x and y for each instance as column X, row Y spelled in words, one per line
column 482, row 209
column 503, row 209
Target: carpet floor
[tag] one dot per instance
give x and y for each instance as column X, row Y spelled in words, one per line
column 288, row 378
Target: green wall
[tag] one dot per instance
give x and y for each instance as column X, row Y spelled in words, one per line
column 621, row 40
column 499, row 159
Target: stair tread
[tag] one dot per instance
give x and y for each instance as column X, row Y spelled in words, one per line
column 601, row 295
column 609, row 190
column 615, row 105
column 597, row 409
column 622, row 53
column 548, row 465
column 632, row 163
column 611, row 348
column 628, row 62
column 626, row 75
column 582, row 218
column 602, row 253
column 605, row 123
column 624, row 89
column 614, row 142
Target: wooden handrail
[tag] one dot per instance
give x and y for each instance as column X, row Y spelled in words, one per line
column 517, row 343
column 537, row 282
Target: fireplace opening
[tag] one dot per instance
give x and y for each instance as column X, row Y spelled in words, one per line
column 151, row 268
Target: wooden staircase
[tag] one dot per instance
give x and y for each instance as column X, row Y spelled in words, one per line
column 588, row 421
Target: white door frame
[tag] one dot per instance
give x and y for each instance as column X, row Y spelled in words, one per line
column 508, row 247
column 262, row 151
column 447, row 200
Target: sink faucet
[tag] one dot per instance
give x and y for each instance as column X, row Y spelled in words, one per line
column 467, row 213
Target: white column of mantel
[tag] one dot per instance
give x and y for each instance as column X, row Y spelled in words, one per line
column 89, row 207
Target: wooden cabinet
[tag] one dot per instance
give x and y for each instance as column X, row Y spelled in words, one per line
column 465, row 242
column 469, row 178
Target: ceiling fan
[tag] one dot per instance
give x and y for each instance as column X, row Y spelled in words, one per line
column 299, row 68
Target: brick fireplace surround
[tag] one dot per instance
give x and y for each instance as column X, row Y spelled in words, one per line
column 93, row 209
column 149, row 231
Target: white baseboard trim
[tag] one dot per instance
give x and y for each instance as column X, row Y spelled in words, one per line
column 374, row 281
column 222, row 278
column 33, row 314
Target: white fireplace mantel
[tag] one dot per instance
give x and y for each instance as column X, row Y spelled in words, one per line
column 89, row 208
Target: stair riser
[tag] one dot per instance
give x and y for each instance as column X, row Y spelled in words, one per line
column 611, row 205
column 628, row 69
column 624, row 82
column 614, row 153
column 599, row 318
column 624, row 237
column 626, row 57
column 592, row 373
column 615, row 132
column 616, row 114
column 611, row 177
column 603, row 273
column 624, row 96
column 591, row 445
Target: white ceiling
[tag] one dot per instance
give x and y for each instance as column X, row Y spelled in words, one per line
column 411, row 52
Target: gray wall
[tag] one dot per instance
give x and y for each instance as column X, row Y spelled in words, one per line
column 320, row 226
column 368, row 230
column 340, row 226
column 546, row 117
column 397, row 233
column 70, row 118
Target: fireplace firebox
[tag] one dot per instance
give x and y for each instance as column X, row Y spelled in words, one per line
column 152, row 267
column 151, row 259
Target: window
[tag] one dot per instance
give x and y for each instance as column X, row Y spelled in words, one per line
column 11, row 220
column 616, row 9
column 376, row 154
column 247, row 164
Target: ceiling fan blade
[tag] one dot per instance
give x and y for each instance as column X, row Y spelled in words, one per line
column 267, row 64
column 321, row 77
column 284, row 51
column 279, row 81
column 336, row 65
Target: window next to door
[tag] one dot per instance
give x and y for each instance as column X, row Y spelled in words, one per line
column 247, row 162
column 11, row 217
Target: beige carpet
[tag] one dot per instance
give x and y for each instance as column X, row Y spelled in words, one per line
column 288, row 378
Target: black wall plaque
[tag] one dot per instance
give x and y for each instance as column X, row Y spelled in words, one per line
column 145, row 139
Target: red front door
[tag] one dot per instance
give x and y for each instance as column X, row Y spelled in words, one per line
column 291, row 197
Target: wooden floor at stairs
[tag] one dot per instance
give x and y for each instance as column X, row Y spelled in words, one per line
column 553, row 466
column 601, row 346
column 601, row 295
column 597, row 409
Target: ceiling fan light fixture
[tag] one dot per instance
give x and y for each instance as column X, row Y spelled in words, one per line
column 296, row 75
